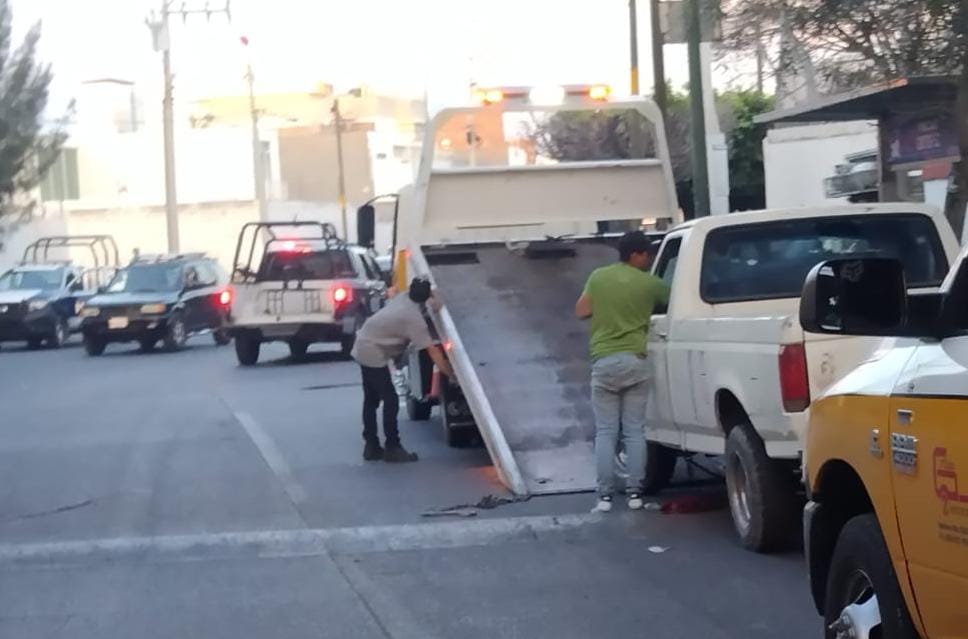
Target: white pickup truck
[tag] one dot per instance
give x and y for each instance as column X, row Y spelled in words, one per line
column 734, row 372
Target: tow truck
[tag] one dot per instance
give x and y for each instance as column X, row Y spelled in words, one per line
column 508, row 238
column 41, row 299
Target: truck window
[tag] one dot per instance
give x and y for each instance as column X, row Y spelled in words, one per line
column 316, row 265
column 771, row 260
column 665, row 268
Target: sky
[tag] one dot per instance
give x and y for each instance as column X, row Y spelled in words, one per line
column 407, row 46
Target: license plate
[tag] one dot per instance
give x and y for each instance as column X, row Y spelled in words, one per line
column 115, row 323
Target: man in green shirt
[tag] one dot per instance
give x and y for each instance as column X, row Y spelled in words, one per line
column 619, row 300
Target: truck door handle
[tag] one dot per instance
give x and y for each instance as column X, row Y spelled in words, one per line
column 905, row 417
column 662, row 334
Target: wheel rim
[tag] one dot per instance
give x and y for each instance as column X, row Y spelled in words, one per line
column 860, row 614
column 178, row 332
column 737, row 484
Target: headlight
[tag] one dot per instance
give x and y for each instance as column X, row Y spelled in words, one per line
column 90, row 311
column 37, row 305
column 154, row 309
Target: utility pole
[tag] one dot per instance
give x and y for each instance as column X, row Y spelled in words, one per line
column 258, row 165
column 634, row 46
column 658, row 60
column 161, row 35
column 338, row 123
column 700, row 168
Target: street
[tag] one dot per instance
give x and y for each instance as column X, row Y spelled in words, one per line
column 179, row 495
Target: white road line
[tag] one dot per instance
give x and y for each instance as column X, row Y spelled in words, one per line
column 273, row 458
column 296, row 543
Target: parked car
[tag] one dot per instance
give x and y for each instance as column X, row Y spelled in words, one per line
column 299, row 283
column 886, row 459
column 38, row 303
column 165, row 298
column 733, row 371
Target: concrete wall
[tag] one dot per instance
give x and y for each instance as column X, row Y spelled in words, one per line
column 797, row 159
column 309, row 167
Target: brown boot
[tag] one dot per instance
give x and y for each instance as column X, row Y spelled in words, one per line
column 373, row 452
column 397, row 454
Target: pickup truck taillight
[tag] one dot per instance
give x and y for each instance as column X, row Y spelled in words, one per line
column 794, row 386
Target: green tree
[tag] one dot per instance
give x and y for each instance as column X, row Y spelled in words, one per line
column 27, row 146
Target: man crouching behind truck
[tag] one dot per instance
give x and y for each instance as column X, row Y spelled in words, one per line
column 383, row 337
column 619, row 299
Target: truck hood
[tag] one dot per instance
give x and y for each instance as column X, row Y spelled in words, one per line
column 132, row 299
column 16, row 297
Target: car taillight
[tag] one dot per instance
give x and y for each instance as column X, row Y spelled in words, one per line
column 225, row 297
column 342, row 295
column 794, row 385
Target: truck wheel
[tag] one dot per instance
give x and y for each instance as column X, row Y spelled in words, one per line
column 221, row 337
column 417, row 410
column 660, row 464
column 456, row 436
column 35, row 342
column 94, row 346
column 297, row 349
column 247, row 349
column 762, row 497
column 176, row 335
column 863, row 598
column 58, row 337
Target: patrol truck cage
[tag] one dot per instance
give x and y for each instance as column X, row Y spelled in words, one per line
column 251, row 232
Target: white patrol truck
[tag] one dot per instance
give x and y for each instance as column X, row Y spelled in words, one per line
column 299, row 283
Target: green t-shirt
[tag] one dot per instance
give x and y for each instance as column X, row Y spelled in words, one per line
column 622, row 301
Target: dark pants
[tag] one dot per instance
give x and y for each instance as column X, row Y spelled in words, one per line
column 377, row 388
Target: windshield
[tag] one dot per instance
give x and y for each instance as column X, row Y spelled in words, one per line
column 31, row 280
column 146, row 279
column 769, row 261
column 320, row 265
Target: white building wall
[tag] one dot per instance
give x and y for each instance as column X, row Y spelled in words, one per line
column 797, row 159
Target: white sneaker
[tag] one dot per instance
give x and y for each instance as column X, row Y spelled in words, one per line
column 635, row 501
column 604, row 505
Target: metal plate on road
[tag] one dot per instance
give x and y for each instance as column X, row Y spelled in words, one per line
column 117, row 323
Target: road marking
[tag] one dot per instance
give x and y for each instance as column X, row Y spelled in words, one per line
column 297, row 543
column 274, row 459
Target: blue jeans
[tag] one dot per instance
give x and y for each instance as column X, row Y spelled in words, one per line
column 620, row 385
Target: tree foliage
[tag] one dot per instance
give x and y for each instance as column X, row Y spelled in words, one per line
column 27, row 146
column 609, row 135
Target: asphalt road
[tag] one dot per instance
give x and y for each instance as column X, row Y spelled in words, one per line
column 178, row 495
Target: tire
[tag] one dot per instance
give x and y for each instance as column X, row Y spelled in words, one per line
column 34, row 343
column 147, row 344
column 176, row 335
column 861, row 571
column 297, row 349
column 247, row 349
column 762, row 493
column 455, row 436
column 221, row 337
column 94, row 346
column 58, row 337
column 417, row 410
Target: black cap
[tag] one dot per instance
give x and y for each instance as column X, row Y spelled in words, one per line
column 419, row 290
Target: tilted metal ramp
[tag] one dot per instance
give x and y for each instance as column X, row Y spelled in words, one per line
column 522, row 356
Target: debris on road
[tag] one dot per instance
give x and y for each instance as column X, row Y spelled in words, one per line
column 692, row 504
column 487, row 502
column 658, row 550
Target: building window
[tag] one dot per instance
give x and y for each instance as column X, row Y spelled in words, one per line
column 61, row 180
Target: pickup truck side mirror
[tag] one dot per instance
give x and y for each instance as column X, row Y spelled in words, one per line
column 855, row 297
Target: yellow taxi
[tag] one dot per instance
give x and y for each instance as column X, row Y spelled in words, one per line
column 886, row 459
